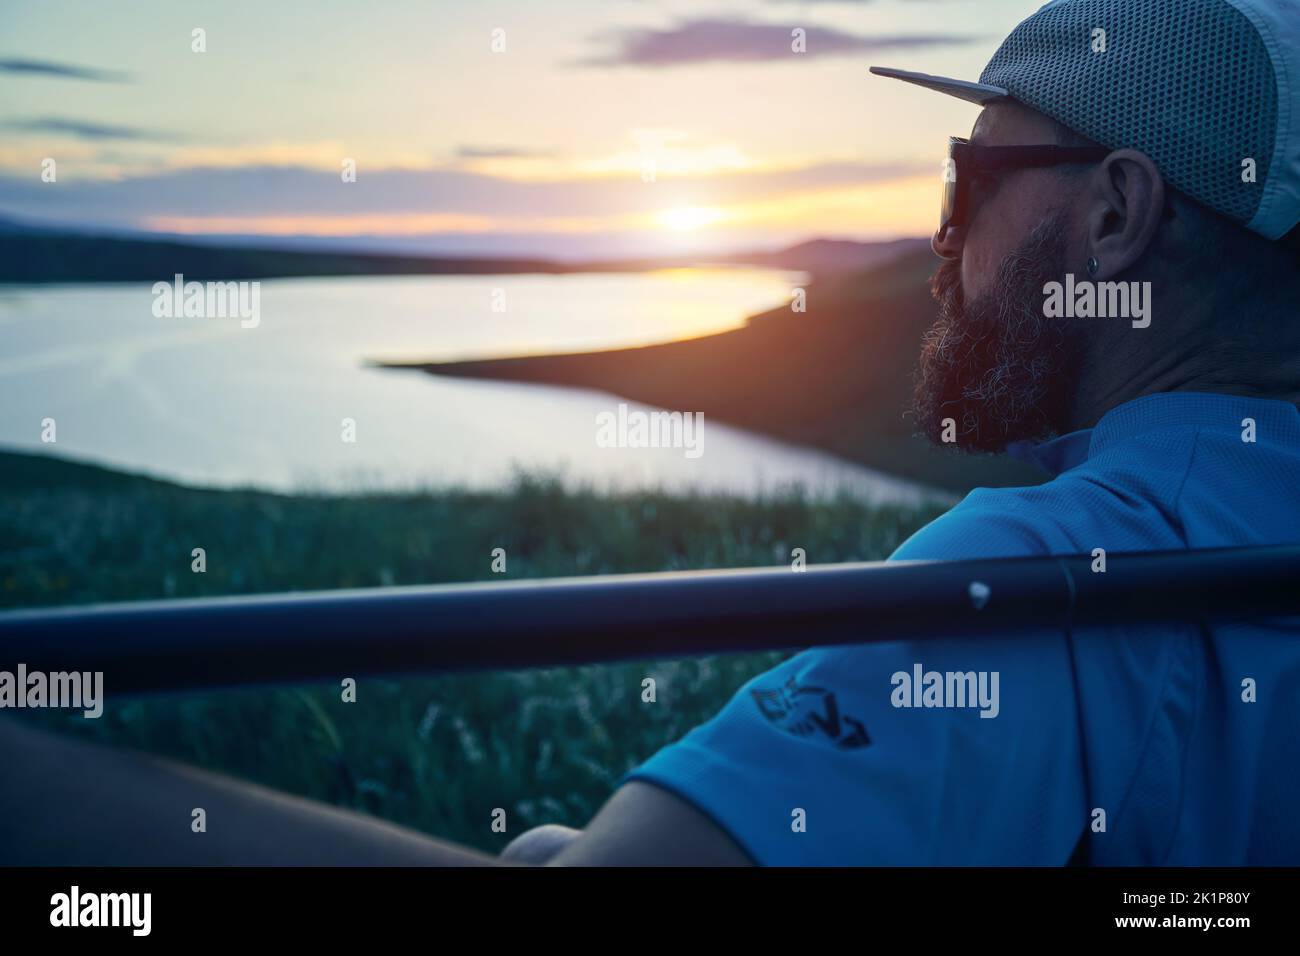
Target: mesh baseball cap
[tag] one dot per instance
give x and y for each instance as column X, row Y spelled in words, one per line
column 1200, row 86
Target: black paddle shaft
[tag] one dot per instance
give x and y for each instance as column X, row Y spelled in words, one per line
column 328, row 635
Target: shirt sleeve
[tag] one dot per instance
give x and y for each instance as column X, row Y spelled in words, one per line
column 837, row 757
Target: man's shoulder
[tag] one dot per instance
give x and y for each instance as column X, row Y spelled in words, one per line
column 1057, row 517
column 1132, row 492
column 988, row 523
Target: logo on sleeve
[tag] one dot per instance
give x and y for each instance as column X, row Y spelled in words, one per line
column 810, row 710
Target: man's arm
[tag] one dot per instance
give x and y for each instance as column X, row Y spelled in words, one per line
column 644, row 825
column 65, row 801
column 68, row 802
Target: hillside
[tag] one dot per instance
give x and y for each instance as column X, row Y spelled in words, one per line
column 422, row 751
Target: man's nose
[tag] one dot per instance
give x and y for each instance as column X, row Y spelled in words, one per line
column 946, row 242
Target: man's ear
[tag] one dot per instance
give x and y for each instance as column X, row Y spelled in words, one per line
column 1125, row 201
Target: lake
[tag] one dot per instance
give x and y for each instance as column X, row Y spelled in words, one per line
column 208, row 402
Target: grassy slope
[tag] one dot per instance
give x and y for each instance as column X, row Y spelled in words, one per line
column 439, row 754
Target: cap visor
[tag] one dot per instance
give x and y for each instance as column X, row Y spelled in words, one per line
column 979, row 93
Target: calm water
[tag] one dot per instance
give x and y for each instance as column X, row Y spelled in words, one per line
column 208, row 402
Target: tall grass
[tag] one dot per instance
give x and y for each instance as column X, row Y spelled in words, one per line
column 439, row 754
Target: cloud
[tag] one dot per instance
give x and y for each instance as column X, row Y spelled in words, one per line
column 801, row 2
column 502, row 152
column 745, row 41
column 295, row 191
column 62, row 71
column 81, row 129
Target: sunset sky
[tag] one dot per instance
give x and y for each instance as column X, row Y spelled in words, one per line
column 541, row 148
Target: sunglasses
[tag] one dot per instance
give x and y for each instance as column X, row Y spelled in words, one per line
column 968, row 164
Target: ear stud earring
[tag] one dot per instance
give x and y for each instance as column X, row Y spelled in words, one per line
column 1093, row 265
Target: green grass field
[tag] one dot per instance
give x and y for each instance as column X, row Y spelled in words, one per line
column 439, row 754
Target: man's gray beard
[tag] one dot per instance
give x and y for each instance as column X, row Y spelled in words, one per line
column 996, row 365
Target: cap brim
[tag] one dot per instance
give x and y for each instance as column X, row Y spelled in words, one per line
column 979, row 93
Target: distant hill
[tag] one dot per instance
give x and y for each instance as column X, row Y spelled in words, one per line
column 837, row 377
column 34, row 253
column 37, row 255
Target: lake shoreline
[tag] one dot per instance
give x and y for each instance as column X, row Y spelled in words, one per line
column 292, row 404
column 836, row 378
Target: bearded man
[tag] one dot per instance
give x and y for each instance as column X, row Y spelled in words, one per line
column 1163, row 151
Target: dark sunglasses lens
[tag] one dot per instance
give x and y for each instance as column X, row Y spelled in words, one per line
column 948, row 199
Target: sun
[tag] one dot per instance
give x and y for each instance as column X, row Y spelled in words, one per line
column 688, row 217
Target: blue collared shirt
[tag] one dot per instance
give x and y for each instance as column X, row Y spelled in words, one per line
column 1158, row 745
